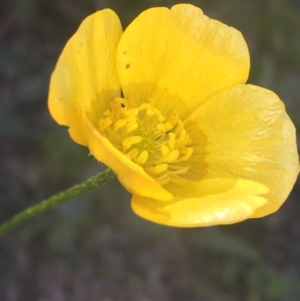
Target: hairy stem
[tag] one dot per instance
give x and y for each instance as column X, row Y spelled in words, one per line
column 47, row 204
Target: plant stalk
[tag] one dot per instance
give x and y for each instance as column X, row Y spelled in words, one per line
column 52, row 202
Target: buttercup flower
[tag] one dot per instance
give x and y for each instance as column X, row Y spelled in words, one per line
column 165, row 105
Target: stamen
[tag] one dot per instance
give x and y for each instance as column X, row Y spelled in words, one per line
column 179, row 128
column 189, row 152
column 164, row 179
column 129, row 141
column 150, row 112
column 180, row 171
column 171, row 141
column 164, row 151
column 158, row 169
column 105, row 123
column 120, row 123
column 173, row 155
column 144, row 106
column 142, row 158
column 151, row 140
column 133, row 154
column 132, row 126
column 161, row 127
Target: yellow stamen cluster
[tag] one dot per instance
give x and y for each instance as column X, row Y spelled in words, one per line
column 158, row 144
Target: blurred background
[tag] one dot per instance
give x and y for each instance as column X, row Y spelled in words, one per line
column 94, row 247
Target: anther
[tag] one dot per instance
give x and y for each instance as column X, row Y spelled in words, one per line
column 129, row 141
column 142, row 158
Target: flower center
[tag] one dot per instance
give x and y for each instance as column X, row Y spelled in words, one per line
column 159, row 144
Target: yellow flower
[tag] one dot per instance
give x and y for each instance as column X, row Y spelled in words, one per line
column 165, row 105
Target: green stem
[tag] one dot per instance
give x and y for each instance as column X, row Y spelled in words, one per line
column 56, row 200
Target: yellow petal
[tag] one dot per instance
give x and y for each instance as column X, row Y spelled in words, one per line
column 233, row 201
column 85, row 76
column 179, row 52
column 132, row 176
column 250, row 136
